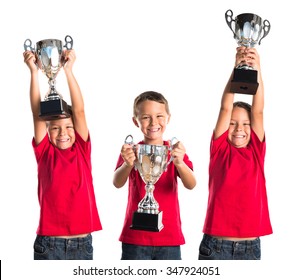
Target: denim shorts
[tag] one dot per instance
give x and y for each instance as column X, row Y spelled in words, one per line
column 53, row 248
column 212, row 248
column 136, row 252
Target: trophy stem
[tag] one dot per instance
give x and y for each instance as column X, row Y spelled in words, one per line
column 52, row 93
column 148, row 204
column 148, row 217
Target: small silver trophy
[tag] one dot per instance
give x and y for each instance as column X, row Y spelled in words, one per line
column 248, row 30
column 151, row 162
column 50, row 59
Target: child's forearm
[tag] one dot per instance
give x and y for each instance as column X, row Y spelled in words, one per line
column 121, row 175
column 186, row 175
column 34, row 94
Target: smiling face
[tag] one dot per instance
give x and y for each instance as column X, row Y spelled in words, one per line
column 152, row 119
column 61, row 133
column 239, row 132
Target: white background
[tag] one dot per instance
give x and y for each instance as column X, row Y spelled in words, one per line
column 183, row 49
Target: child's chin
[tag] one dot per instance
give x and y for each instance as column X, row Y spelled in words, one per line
column 64, row 147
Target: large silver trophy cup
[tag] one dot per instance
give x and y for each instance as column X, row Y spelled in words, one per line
column 50, row 59
column 248, row 30
column 151, row 162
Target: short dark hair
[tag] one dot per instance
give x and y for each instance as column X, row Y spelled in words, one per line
column 150, row 95
column 243, row 105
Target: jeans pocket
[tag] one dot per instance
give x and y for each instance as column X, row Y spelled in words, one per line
column 88, row 248
column 40, row 247
column 257, row 252
column 205, row 252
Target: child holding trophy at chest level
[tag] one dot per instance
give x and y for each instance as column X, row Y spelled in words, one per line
column 62, row 147
column 143, row 163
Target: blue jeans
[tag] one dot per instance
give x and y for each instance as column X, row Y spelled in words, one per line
column 212, row 248
column 136, row 252
column 52, row 248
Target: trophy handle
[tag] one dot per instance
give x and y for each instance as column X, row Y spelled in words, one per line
column 69, row 42
column 229, row 20
column 129, row 140
column 173, row 141
column 266, row 29
column 28, row 45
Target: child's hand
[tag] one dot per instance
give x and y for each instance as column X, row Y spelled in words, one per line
column 252, row 58
column 128, row 154
column 30, row 59
column 178, row 153
column 248, row 56
column 69, row 58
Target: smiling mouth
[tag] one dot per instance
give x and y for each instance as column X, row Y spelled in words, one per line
column 63, row 140
column 154, row 130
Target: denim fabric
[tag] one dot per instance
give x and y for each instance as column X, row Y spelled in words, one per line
column 212, row 248
column 136, row 252
column 52, row 248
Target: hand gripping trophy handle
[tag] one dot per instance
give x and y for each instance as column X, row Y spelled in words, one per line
column 129, row 140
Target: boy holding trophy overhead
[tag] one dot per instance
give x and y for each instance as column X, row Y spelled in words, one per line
column 62, row 147
column 151, row 114
column 237, row 211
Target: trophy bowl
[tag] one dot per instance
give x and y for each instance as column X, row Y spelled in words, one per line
column 49, row 58
column 248, row 30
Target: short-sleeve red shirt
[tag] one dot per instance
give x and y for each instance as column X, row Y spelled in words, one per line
column 237, row 202
column 65, row 189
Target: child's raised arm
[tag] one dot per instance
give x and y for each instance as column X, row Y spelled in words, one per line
column 257, row 117
column 226, row 106
column 78, row 110
column 39, row 124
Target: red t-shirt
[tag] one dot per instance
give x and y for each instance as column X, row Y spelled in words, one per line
column 166, row 194
column 237, row 202
column 65, row 189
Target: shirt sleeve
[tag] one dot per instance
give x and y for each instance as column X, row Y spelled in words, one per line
column 217, row 143
column 259, row 146
column 41, row 147
column 85, row 145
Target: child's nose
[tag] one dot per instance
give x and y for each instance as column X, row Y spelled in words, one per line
column 62, row 131
column 154, row 121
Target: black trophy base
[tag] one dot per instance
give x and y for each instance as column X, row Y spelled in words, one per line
column 54, row 109
column 244, row 81
column 148, row 222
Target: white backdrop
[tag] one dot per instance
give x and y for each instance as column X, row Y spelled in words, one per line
column 183, row 49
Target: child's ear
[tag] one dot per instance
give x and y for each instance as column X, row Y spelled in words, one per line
column 169, row 117
column 135, row 121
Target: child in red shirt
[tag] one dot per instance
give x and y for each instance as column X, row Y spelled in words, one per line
column 68, row 211
column 151, row 114
column 237, row 212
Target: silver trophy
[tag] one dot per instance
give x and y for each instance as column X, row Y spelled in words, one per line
column 151, row 162
column 50, row 59
column 248, row 30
